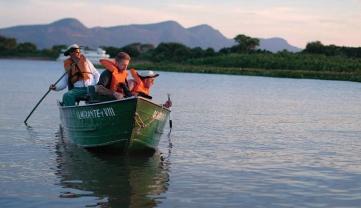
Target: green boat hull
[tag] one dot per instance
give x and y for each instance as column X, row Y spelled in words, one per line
column 129, row 125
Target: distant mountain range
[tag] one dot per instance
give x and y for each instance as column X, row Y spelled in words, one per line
column 68, row 31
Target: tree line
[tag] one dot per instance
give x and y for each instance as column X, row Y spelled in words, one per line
column 317, row 47
column 177, row 52
column 245, row 45
column 9, row 47
column 244, row 54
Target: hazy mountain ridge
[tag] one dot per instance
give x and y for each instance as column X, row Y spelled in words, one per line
column 70, row 30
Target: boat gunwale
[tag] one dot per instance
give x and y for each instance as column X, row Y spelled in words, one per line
column 113, row 101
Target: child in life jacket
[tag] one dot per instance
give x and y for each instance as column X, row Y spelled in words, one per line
column 141, row 84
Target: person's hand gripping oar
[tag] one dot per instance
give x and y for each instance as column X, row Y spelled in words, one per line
column 41, row 99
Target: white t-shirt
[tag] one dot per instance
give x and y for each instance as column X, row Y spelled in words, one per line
column 94, row 78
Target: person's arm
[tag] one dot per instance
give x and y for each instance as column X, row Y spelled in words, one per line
column 105, row 79
column 61, row 84
column 102, row 87
column 68, row 64
column 101, row 90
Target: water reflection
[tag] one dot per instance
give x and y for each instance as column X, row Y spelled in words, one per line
column 116, row 180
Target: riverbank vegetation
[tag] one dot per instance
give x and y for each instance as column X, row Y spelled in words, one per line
column 316, row 61
column 10, row 48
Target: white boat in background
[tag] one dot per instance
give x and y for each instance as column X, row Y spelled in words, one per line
column 93, row 55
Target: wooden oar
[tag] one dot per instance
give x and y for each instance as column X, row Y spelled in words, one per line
column 42, row 99
column 170, row 120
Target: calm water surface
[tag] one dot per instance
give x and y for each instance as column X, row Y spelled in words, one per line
column 238, row 141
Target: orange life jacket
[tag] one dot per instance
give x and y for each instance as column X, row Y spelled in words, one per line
column 117, row 76
column 79, row 71
column 139, row 84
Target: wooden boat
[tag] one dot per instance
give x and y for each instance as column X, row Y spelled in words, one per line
column 132, row 124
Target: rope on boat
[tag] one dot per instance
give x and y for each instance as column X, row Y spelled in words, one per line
column 143, row 124
column 139, row 121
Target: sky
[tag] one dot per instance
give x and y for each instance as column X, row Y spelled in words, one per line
column 298, row 21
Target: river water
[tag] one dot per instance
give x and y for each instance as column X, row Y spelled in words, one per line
column 237, row 141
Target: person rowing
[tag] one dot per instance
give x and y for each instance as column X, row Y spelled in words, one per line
column 81, row 73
